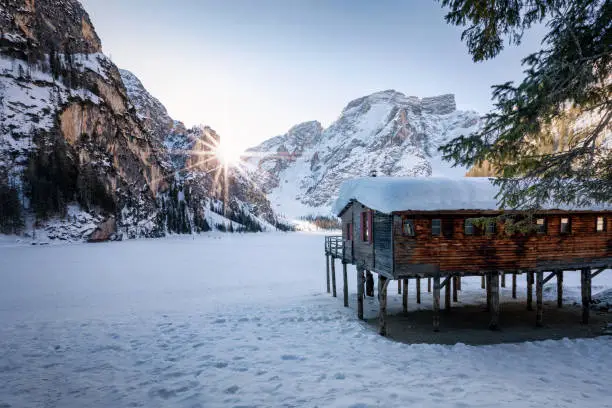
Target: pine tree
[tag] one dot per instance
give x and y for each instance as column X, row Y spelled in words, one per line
column 572, row 73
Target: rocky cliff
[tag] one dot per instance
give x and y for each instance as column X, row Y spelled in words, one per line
column 386, row 133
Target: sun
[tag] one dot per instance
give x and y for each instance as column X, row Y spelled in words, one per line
column 228, row 154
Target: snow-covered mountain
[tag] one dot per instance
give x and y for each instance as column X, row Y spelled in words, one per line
column 387, row 133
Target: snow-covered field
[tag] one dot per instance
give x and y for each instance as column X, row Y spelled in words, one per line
column 243, row 321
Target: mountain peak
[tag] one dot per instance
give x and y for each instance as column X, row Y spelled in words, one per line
column 437, row 105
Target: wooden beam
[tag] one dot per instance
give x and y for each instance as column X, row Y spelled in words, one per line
column 328, row 284
column 559, row 289
column 549, row 277
column 382, row 298
column 503, row 279
column 333, row 276
column 494, row 284
column 345, row 288
column 585, row 284
column 436, row 303
column 429, row 285
column 459, row 283
column 399, row 287
column 360, row 293
column 539, row 304
column 418, row 289
column 514, row 285
column 530, row 290
column 597, row 272
column 405, row 296
column 447, row 294
column 455, row 288
column 482, row 282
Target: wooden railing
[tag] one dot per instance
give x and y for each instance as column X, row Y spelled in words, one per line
column 334, row 245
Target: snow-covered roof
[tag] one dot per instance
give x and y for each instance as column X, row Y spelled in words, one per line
column 390, row 194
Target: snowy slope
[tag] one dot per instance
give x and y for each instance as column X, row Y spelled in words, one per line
column 187, row 323
column 386, row 132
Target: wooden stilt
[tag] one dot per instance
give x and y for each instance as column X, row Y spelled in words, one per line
column 494, row 285
column 328, row 286
column 399, row 287
column 436, row 303
column 459, row 283
column 455, row 287
column 503, row 279
column 514, row 285
column 539, row 305
column 429, row 285
column 418, row 290
column 585, row 284
column 333, row 276
column 405, row 296
column 488, row 288
column 360, row 293
column 447, row 295
column 529, row 290
column 559, row 289
column 382, row 297
column 345, row 287
column 482, row 282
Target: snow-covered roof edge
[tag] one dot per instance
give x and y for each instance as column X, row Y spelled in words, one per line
column 390, row 194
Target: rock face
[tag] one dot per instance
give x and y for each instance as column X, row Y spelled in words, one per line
column 105, row 231
column 387, row 133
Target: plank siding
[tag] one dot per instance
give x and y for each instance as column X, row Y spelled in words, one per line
column 454, row 251
column 347, row 218
column 362, row 251
column 383, row 243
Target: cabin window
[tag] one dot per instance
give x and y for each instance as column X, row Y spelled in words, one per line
column 565, row 225
column 436, row 227
column 469, row 227
column 541, row 225
column 366, row 226
column 491, row 227
column 600, row 224
column 349, row 231
column 408, row 228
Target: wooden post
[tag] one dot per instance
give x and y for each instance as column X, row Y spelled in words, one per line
column 382, row 298
column 360, row 293
column 399, row 287
column 327, row 259
column 333, row 276
column 418, row 289
column 459, row 283
column 429, row 285
column 494, row 290
column 585, row 283
column 436, row 303
column 455, row 287
column 482, row 282
column 559, row 289
column 539, row 305
column 530, row 290
column 345, row 288
column 405, row 296
column 488, row 288
column 503, row 279
column 514, row 285
column 447, row 295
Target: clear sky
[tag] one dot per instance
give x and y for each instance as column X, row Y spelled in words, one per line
column 251, row 69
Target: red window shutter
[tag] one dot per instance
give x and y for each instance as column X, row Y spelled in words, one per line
column 350, row 231
column 370, row 226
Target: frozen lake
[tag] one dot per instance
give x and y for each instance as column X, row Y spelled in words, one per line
column 244, row 321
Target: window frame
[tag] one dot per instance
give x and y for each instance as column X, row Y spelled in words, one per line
column 569, row 225
column 439, row 234
column 412, row 225
column 492, row 225
column 543, row 230
column 349, row 231
column 603, row 224
column 366, row 226
column 469, row 223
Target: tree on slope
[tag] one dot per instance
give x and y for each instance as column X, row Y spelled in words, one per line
column 572, row 73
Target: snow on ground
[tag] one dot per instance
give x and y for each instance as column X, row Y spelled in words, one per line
column 242, row 320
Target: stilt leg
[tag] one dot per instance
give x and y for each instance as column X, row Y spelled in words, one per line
column 503, row 279
column 488, row 288
column 514, row 285
column 405, row 296
column 382, row 297
column 360, row 293
column 418, row 290
column 529, row 290
column 539, row 305
column 447, row 295
column 345, row 288
column 436, row 303
column 333, row 276
column 429, row 285
column 459, row 283
column 559, row 289
column 399, row 287
column 455, row 287
column 494, row 280
column 585, row 284
column 482, row 282
column 328, row 286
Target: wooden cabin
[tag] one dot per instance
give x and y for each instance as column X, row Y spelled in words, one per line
column 403, row 228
